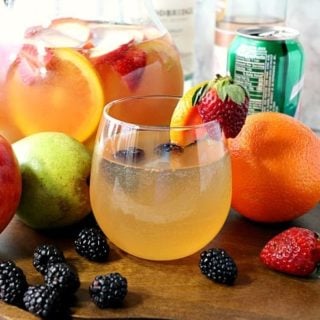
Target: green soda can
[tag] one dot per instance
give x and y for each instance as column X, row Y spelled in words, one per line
column 269, row 63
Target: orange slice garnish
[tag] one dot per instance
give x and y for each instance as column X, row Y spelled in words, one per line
column 185, row 114
column 64, row 94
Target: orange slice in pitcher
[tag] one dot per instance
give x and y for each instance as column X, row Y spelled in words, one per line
column 185, row 114
column 61, row 92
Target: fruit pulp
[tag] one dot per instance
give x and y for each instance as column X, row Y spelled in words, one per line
column 163, row 207
column 60, row 76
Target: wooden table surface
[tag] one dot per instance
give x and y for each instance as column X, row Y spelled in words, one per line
column 177, row 289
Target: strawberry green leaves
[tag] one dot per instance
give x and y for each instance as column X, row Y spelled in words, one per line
column 199, row 94
column 225, row 88
column 234, row 92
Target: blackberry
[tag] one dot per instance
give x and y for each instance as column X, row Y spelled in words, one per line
column 108, row 290
column 132, row 154
column 46, row 254
column 63, row 277
column 43, row 301
column 92, row 244
column 218, row 266
column 13, row 283
column 165, row 148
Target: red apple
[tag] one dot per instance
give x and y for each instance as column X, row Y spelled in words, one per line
column 10, row 183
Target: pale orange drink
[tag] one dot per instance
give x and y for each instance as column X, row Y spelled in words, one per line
column 59, row 76
column 153, row 198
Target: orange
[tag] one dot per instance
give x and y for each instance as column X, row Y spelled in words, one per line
column 275, row 168
column 68, row 97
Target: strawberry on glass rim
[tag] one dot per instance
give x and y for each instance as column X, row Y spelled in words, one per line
column 219, row 99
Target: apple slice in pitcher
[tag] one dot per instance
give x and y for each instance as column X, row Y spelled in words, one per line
column 73, row 28
column 107, row 38
column 62, row 32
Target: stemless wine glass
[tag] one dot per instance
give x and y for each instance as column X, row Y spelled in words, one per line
column 62, row 61
column 153, row 198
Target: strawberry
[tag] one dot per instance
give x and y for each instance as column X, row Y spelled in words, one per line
column 294, row 251
column 224, row 101
column 32, row 63
column 129, row 61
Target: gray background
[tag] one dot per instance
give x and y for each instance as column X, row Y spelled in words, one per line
column 304, row 16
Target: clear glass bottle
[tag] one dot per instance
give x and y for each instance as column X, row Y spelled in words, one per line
column 203, row 44
column 179, row 18
column 62, row 61
column 231, row 15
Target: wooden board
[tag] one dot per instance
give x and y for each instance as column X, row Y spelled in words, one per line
column 177, row 289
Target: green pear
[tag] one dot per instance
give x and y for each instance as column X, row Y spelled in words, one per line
column 55, row 172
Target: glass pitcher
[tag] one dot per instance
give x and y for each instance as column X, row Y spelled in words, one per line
column 62, row 61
